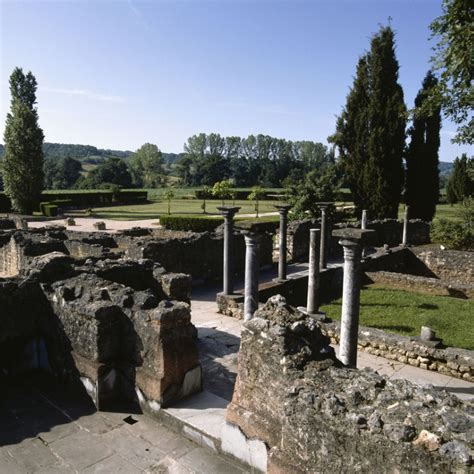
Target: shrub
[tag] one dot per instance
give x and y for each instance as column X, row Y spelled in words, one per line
column 453, row 235
column 190, row 223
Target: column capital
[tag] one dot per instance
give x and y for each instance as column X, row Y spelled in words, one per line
column 228, row 212
column 351, row 237
column 251, row 238
column 283, row 208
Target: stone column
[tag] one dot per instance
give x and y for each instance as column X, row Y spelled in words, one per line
column 282, row 264
column 405, row 227
column 351, row 240
column 363, row 221
column 228, row 213
column 252, row 244
column 322, row 248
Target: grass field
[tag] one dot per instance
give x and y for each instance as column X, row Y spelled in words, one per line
column 404, row 312
column 178, row 206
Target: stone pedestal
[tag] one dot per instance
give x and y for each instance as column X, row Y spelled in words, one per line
column 352, row 241
column 228, row 275
column 405, row 227
column 251, row 274
column 282, row 263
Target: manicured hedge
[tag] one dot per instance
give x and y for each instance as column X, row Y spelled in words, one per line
column 58, row 203
column 190, row 223
column 50, row 210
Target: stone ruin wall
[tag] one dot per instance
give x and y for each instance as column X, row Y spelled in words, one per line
column 115, row 325
column 314, row 415
column 388, row 231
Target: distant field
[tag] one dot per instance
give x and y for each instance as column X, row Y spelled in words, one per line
column 178, row 206
column 404, row 312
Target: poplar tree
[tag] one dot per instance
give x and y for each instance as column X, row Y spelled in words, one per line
column 422, row 175
column 23, row 160
column 461, row 181
column 370, row 133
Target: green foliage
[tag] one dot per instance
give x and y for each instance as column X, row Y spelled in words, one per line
column 146, row 166
column 461, row 182
column 370, row 133
column 50, row 210
column 318, row 186
column 61, row 173
column 456, row 235
column 23, row 160
column 247, row 161
column 205, row 193
column 190, row 223
column 222, row 190
column 454, row 62
column 256, row 195
column 422, row 177
column 113, row 171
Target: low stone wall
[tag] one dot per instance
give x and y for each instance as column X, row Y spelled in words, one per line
column 387, row 231
column 451, row 361
column 432, row 286
column 198, row 254
column 314, row 415
column 450, row 265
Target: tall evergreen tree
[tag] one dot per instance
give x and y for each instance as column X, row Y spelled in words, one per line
column 352, row 134
column 23, row 160
column 370, row 133
column 422, row 176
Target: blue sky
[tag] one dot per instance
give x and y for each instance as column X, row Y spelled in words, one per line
column 117, row 74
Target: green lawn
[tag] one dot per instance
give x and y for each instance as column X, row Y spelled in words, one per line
column 404, row 312
column 178, row 206
column 443, row 211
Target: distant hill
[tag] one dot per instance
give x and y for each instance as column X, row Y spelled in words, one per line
column 91, row 154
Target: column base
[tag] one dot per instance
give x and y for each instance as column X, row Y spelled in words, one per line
column 319, row 316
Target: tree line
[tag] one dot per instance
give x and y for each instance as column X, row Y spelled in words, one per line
column 256, row 159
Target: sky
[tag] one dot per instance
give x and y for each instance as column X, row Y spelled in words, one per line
column 117, row 74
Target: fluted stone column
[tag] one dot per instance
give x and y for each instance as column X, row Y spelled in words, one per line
column 282, row 261
column 405, row 227
column 352, row 241
column 363, row 221
column 228, row 213
column 252, row 247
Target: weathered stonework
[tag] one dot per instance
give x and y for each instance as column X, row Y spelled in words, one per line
column 122, row 328
column 316, row 416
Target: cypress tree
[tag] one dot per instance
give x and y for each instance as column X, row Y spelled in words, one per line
column 23, row 160
column 352, row 133
column 383, row 174
column 370, row 133
column 422, row 183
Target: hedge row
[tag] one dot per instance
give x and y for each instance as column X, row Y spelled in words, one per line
column 209, row 224
column 82, row 198
column 190, row 223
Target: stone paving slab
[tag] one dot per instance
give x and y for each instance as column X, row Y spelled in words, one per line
column 98, row 442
